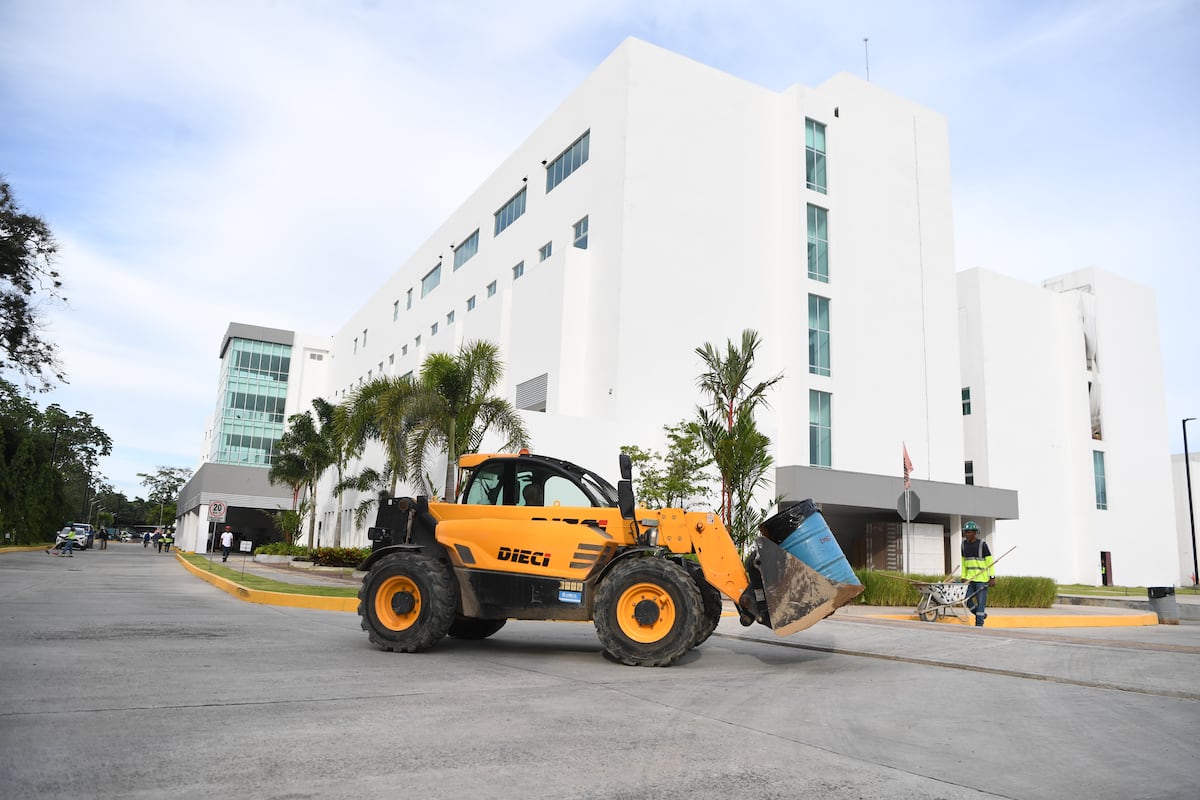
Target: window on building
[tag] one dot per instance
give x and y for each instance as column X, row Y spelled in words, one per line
column 818, row 244
column 581, row 232
column 395, row 311
column 1101, row 484
column 431, row 280
column 364, row 338
column 316, row 356
column 408, row 301
column 403, row 350
column 570, row 160
column 966, row 401
column 433, row 329
column 471, row 303
column 814, row 155
column 408, row 376
column 518, row 270
column 820, row 429
column 969, row 472
column 818, row 334
column 545, row 250
column 510, row 212
column 355, row 350
column 469, row 247
column 370, row 372
column 450, row 318
column 491, row 288
column 531, row 394
column 391, row 359
column 417, row 341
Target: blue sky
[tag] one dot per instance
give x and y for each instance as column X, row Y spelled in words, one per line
column 211, row 161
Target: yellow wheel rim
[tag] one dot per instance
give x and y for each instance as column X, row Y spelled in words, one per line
column 384, row 610
column 654, row 606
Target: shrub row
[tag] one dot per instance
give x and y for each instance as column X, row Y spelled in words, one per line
column 885, row 588
column 339, row 556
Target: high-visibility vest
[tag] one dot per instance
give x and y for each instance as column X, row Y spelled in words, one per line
column 977, row 561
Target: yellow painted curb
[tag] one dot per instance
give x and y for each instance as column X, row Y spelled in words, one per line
column 1044, row 621
column 25, row 548
column 270, row 598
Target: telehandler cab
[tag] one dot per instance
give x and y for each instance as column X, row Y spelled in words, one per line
column 540, row 538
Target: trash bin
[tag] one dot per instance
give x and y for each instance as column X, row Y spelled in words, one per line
column 1162, row 602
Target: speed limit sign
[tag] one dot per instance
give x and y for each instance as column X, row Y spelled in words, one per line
column 216, row 511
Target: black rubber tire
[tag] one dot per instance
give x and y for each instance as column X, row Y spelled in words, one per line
column 662, row 588
column 926, row 609
column 712, row 606
column 426, row 582
column 470, row 628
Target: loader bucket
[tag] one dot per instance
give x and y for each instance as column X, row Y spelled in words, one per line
column 805, row 575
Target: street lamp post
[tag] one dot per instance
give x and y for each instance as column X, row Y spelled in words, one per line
column 1187, row 470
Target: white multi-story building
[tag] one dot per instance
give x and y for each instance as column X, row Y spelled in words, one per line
column 666, row 204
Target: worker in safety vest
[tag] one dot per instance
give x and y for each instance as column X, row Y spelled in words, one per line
column 69, row 543
column 977, row 569
column 167, row 541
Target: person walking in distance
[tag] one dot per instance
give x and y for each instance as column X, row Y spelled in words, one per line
column 978, row 570
column 226, row 542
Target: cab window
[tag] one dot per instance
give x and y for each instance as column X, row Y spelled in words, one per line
column 487, row 486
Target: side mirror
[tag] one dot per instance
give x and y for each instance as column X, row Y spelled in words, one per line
column 626, row 467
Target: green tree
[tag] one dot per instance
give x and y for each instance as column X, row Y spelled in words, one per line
column 302, row 456
column 164, row 485
column 676, row 480
column 27, row 278
column 383, row 410
column 728, row 429
column 456, row 409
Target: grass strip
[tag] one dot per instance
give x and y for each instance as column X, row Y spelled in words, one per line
column 251, row 581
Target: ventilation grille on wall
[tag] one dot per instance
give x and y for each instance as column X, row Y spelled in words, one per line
column 531, row 394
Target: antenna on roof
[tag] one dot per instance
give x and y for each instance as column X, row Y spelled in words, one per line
column 867, row 57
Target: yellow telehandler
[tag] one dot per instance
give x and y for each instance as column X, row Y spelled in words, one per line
column 535, row 537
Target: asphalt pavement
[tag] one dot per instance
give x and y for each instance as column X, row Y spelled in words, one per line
column 123, row 675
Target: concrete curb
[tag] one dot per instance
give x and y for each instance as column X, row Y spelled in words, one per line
column 270, row 598
column 995, row 620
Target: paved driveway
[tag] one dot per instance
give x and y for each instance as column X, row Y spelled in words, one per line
column 122, row 676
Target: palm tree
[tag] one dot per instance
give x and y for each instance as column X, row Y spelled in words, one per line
column 455, row 410
column 383, row 410
column 727, row 423
column 343, row 442
column 302, row 456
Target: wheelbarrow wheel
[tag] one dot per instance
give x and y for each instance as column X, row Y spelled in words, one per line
column 926, row 610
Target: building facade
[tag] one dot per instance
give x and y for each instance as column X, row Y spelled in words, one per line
column 665, row 205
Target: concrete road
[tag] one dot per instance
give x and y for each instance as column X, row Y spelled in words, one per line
column 122, row 676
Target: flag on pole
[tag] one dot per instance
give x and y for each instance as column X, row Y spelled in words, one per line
column 907, row 467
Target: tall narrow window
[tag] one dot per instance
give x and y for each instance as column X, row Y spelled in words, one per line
column 450, row 318
column 395, row 311
column 431, row 280
column 966, row 400
column 1101, row 484
column 408, row 300
column 814, row 155
column 355, row 345
column 433, row 329
column 469, row 247
column 820, row 429
column 364, row 337
column 818, row 334
column 471, row 303
column 568, row 161
column 491, row 288
column 518, row 270
column 969, row 472
column 581, row 232
column 818, row 244
column 545, row 250
column 510, row 212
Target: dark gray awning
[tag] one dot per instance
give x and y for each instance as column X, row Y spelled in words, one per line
column 858, row 490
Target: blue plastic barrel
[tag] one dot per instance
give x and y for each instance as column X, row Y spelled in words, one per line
column 810, row 540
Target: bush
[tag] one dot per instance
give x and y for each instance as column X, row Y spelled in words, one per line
column 897, row 589
column 281, row 549
column 340, row 556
